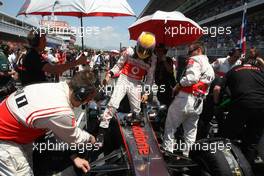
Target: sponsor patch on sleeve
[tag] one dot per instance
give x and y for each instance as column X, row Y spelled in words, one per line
column 190, row 62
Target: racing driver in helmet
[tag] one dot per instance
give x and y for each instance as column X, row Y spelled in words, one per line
column 133, row 66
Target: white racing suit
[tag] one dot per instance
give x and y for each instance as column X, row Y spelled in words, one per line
column 187, row 105
column 132, row 71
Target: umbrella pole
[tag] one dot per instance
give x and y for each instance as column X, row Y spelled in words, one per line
column 82, row 32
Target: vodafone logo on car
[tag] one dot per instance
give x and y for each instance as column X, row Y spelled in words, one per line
column 141, row 140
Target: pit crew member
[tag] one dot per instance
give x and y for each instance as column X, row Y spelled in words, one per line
column 188, row 102
column 30, row 112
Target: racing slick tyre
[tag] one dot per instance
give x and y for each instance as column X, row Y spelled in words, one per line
column 218, row 157
column 242, row 161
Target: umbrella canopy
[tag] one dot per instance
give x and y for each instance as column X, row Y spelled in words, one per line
column 77, row 8
column 170, row 28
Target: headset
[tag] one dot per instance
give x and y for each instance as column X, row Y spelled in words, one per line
column 81, row 93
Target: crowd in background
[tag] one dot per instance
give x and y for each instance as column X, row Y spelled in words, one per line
column 220, row 7
column 255, row 36
column 254, row 26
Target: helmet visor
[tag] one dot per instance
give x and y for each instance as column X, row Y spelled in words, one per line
column 143, row 52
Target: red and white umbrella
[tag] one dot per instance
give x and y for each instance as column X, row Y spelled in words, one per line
column 170, row 28
column 78, row 8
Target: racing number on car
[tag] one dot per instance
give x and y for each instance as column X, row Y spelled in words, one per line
column 21, row 100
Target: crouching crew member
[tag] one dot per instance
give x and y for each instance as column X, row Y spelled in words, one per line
column 30, row 112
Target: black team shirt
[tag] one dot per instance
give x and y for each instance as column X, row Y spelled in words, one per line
column 32, row 68
column 246, row 84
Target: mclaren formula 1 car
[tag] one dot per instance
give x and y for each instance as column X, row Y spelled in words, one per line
column 132, row 147
column 139, row 152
